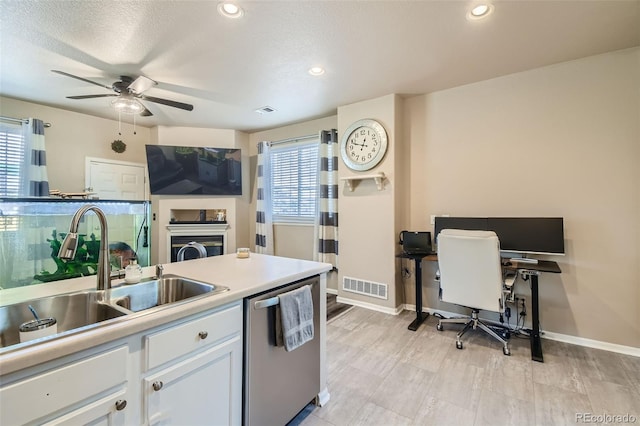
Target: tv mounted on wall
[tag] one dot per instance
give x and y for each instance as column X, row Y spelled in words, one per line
column 182, row 170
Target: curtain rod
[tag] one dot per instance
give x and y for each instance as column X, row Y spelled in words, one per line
column 299, row 138
column 20, row 120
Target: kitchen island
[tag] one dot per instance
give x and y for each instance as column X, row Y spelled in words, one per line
column 147, row 345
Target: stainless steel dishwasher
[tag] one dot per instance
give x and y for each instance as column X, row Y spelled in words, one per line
column 277, row 384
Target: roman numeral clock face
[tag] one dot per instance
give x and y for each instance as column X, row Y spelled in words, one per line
column 363, row 145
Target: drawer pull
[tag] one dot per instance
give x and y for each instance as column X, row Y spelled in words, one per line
column 120, row 404
column 203, row 335
column 157, row 385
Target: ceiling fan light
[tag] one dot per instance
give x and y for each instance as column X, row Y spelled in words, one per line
column 127, row 105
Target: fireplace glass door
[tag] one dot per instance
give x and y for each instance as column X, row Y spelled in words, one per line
column 214, row 244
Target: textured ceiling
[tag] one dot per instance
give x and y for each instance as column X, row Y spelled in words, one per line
column 228, row 68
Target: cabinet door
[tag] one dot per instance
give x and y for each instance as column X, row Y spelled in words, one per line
column 63, row 389
column 203, row 389
column 108, row 411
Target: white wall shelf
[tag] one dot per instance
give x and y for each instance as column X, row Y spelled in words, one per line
column 378, row 177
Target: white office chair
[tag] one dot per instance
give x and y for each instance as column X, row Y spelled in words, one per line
column 471, row 276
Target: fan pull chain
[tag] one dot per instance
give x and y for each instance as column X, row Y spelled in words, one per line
column 134, row 123
column 120, row 123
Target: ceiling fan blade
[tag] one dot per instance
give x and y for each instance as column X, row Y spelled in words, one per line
column 80, row 78
column 167, row 102
column 146, row 112
column 141, row 84
column 90, row 96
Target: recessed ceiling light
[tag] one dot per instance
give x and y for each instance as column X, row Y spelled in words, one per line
column 480, row 11
column 230, row 9
column 316, row 71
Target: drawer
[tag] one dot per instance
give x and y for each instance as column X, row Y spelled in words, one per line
column 42, row 394
column 189, row 336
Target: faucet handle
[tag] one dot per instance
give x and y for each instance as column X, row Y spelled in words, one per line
column 159, row 270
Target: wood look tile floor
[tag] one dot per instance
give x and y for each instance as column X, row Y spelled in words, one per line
column 380, row 373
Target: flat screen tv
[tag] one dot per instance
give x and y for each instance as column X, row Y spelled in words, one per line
column 181, row 170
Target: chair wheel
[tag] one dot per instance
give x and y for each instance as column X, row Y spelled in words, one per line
column 506, row 351
column 439, row 327
column 459, row 345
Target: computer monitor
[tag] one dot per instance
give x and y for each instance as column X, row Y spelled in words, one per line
column 524, row 235
column 471, row 223
column 529, row 235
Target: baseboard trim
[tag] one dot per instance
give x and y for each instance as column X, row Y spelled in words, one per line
column 590, row 343
column 323, row 397
column 332, row 291
column 370, row 306
column 565, row 338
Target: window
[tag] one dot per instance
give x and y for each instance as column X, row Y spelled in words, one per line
column 294, row 181
column 11, row 160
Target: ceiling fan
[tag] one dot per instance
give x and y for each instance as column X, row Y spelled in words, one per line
column 127, row 93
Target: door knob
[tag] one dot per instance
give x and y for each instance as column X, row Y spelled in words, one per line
column 157, row 385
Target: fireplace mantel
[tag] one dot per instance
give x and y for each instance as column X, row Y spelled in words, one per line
column 199, row 228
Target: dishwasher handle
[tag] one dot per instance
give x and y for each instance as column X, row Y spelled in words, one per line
column 272, row 301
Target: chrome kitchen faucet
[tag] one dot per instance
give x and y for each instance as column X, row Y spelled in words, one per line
column 70, row 244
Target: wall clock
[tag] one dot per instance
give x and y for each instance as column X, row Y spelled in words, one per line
column 363, row 145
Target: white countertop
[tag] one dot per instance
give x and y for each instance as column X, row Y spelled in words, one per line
column 244, row 277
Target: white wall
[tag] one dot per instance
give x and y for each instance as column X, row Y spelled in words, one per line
column 367, row 216
column 562, row 140
column 74, row 136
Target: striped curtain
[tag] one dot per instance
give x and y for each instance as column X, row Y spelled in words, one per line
column 326, row 226
column 35, row 181
column 264, row 224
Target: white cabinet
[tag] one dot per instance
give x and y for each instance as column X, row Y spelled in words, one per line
column 107, row 411
column 200, row 378
column 185, row 372
column 203, row 389
column 80, row 391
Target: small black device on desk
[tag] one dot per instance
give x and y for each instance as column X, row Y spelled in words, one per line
column 416, row 243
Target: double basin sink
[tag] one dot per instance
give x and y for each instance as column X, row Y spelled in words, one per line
column 82, row 310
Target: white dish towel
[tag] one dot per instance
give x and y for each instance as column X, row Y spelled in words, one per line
column 296, row 315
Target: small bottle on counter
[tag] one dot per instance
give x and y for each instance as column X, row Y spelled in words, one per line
column 133, row 272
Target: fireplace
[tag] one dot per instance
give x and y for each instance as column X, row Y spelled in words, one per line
column 213, row 244
column 212, row 236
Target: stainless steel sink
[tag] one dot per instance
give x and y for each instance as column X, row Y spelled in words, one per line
column 163, row 291
column 71, row 311
column 82, row 310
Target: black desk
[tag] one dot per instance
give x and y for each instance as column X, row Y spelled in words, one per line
column 420, row 316
column 532, row 270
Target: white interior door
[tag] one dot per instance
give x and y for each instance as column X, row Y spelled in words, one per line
column 115, row 180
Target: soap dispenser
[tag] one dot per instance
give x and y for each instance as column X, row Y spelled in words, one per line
column 133, row 272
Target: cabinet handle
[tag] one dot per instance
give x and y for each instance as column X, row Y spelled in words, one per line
column 157, row 385
column 203, row 335
column 120, row 404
